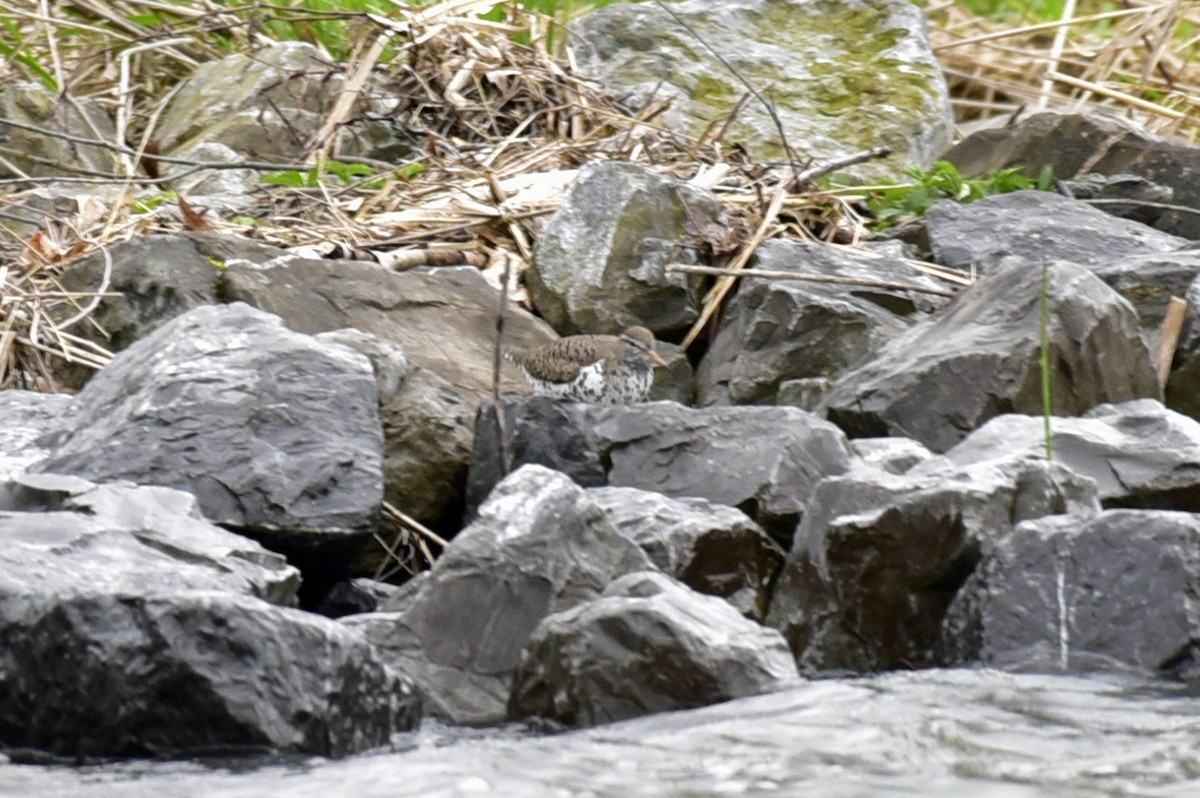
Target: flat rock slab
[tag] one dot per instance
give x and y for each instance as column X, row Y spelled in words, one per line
column 1139, row 454
column 762, row 460
column 61, row 535
column 1036, row 225
column 269, row 429
column 443, row 319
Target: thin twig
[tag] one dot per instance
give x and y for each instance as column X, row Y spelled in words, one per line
column 119, row 148
column 90, row 306
column 812, row 278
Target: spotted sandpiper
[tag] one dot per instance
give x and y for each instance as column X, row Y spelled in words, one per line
column 598, row 369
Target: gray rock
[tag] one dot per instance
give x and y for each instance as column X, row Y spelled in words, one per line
column 599, row 265
column 64, row 535
column 763, row 460
column 1144, row 198
column 268, row 105
column 979, row 357
column 1071, row 144
column 355, row 596
column 806, row 393
column 1036, row 225
column 1139, row 454
column 773, row 331
column 270, row 430
column 676, row 381
column 157, row 278
column 36, row 154
column 844, row 76
column 539, row 545
column 388, row 360
column 1149, row 281
column 443, row 319
column 28, row 417
column 541, row 431
column 711, row 548
column 189, row 673
column 426, row 433
column 1116, row 591
column 647, row 645
column 893, row 455
column 879, row 558
column 131, row 626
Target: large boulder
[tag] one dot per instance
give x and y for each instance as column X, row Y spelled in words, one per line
column 762, row 460
column 774, row 330
column 180, row 674
column 711, row 548
column 1120, row 590
column 879, row 558
column 131, row 626
column 155, row 278
column 539, row 545
column 1091, row 143
column 28, row 418
column 647, row 644
column 979, row 357
column 1036, row 225
column 34, row 104
column 270, row 105
column 844, row 77
column 1139, row 454
column 272, row 431
column 600, row 264
column 443, row 319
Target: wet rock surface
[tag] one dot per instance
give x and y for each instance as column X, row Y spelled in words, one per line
column 539, row 545
column 647, row 644
column 979, row 357
column 131, row 626
column 866, row 471
column 226, row 403
column 1112, row 592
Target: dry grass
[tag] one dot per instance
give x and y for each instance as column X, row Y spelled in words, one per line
column 1138, row 61
column 504, row 129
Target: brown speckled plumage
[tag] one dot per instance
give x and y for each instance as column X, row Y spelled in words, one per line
column 602, row 369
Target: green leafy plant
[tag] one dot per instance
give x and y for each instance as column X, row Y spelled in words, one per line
column 345, row 174
column 896, row 203
column 148, row 204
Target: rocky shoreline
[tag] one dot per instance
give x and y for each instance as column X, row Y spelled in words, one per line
column 845, row 478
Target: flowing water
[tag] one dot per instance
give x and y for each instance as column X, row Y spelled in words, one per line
column 933, row 734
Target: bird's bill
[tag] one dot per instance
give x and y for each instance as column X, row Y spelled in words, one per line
column 655, row 359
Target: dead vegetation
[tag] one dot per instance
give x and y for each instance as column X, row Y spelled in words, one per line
column 502, row 127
